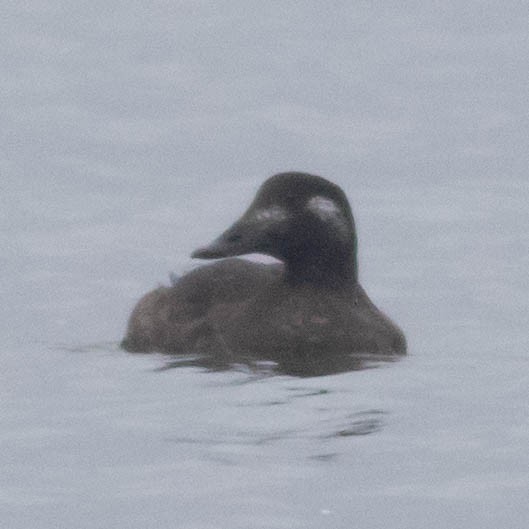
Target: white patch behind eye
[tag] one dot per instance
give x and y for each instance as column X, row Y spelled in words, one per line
column 328, row 211
column 325, row 208
column 273, row 213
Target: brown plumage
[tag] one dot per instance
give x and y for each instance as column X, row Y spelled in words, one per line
column 309, row 306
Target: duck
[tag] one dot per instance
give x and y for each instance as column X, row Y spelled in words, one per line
column 307, row 305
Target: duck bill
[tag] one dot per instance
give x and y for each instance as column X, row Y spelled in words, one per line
column 240, row 239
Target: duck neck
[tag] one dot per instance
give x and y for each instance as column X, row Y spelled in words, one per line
column 335, row 270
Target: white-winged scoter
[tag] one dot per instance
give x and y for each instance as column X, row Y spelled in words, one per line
column 309, row 304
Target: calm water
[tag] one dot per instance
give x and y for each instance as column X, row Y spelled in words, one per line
column 133, row 133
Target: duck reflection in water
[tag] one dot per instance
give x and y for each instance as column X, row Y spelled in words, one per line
column 307, row 314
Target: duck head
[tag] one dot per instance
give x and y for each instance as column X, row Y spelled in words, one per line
column 301, row 219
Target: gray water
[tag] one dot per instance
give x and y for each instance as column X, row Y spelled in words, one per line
column 133, row 132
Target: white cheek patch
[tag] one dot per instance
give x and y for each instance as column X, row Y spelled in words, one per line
column 273, row 213
column 328, row 211
column 325, row 208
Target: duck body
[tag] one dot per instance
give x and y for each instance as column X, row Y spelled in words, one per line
column 309, row 305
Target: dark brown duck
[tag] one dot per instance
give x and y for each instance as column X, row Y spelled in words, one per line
column 310, row 304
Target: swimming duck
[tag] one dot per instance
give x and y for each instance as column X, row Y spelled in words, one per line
column 309, row 305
